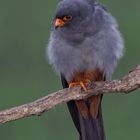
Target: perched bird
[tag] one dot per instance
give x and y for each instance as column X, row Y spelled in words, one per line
column 85, row 45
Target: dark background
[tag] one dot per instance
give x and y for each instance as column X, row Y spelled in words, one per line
column 25, row 74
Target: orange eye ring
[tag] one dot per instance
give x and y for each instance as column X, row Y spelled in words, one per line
column 67, row 18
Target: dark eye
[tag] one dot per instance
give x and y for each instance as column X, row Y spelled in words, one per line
column 67, row 18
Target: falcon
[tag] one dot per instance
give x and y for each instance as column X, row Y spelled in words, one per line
column 85, row 45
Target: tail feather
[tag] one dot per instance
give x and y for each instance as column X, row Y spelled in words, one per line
column 89, row 128
column 74, row 114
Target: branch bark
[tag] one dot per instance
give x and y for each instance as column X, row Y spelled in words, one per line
column 126, row 84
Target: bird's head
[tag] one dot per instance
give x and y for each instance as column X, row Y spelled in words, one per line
column 73, row 16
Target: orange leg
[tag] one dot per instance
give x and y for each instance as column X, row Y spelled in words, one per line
column 81, row 105
column 81, row 83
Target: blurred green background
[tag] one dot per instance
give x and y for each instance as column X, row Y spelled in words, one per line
column 25, row 74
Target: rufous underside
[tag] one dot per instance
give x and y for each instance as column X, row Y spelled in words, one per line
column 92, row 75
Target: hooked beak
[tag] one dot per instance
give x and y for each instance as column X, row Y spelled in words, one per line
column 59, row 23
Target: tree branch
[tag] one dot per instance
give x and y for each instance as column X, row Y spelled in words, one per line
column 125, row 85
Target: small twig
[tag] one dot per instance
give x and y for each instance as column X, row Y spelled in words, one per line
column 125, row 85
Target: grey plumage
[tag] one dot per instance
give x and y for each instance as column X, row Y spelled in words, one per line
column 93, row 40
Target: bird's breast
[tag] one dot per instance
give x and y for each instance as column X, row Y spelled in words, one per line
column 72, row 59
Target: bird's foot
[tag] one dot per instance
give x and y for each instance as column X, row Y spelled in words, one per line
column 83, row 84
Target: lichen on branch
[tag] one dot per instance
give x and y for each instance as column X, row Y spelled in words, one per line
column 126, row 84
